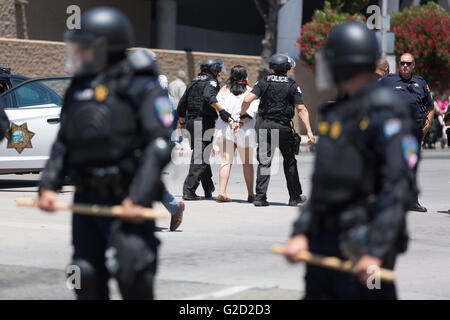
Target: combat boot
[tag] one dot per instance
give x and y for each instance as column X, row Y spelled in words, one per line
column 261, row 203
column 295, row 202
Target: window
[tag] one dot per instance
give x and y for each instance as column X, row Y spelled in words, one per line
column 31, row 95
column 36, row 92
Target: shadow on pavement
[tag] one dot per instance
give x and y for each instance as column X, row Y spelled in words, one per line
column 160, row 229
column 15, row 184
column 10, row 184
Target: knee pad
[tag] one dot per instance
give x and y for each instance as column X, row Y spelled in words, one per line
column 129, row 251
column 93, row 284
column 86, row 269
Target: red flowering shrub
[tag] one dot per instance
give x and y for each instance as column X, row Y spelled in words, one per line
column 424, row 32
column 314, row 33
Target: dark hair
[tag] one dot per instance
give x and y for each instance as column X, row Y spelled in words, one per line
column 237, row 82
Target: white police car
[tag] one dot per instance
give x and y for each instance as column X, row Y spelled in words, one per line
column 33, row 108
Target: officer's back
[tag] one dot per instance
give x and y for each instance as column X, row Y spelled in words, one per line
column 200, row 93
column 278, row 94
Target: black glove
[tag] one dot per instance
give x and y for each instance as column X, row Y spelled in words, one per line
column 245, row 115
column 224, row 115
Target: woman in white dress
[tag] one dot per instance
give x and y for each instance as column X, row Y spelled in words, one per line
column 238, row 136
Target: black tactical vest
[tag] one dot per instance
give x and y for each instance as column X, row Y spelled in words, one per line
column 101, row 130
column 196, row 103
column 344, row 169
column 341, row 173
column 276, row 103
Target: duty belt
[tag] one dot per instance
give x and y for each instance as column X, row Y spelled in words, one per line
column 109, row 181
column 329, row 223
column 283, row 122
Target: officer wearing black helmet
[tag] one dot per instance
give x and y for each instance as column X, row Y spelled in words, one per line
column 197, row 112
column 279, row 96
column 363, row 179
column 113, row 143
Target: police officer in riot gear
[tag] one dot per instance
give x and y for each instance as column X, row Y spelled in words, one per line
column 113, row 143
column 279, row 96
column 363, row 178
column 197, row 111
column 415, row 91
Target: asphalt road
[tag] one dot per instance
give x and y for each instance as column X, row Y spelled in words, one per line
column 221, row 250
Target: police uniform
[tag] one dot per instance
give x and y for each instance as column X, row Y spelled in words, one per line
column 378, row 77
column 278, row 96
column 363, row 178
column 113, row 142
column 417, row 95
column 361, row 186
column 195, row 107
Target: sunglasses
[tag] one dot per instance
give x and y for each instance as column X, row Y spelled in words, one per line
column 405, row 63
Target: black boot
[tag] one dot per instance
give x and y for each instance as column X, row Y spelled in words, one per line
column 417, row 207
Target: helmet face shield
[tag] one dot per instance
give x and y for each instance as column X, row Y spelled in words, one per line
column 222, row 68
column 324, row 75
column 86, row 57
column 290, row 60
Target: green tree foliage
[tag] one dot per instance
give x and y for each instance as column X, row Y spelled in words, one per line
column 314, row 33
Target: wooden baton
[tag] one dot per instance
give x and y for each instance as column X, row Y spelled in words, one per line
column 96, row 210
column 332, row 263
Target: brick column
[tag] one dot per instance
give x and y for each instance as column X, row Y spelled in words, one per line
column 8, row 26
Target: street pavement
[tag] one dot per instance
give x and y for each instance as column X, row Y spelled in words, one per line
column 222, row 250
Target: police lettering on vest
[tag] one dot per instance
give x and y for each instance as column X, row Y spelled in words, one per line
column 279, row 94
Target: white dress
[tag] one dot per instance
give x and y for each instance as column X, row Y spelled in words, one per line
column 246, row 135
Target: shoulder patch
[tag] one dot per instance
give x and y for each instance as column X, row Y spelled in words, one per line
column 392, row 127
column 164, row 110
column 213, row 83
column 299, row 90
column 410, row 149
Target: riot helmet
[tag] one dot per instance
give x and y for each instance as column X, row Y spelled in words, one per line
column 102, row 40
column 281, row 63
column 350, row 48
column 213, row 64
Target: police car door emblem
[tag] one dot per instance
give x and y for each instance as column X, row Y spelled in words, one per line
column 19, row 137
column 101, row 93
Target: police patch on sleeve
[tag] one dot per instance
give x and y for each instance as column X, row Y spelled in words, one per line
column 164, row 110
column 392, row 127
column 299, row 90
column 410, row 149
column 213, row 83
